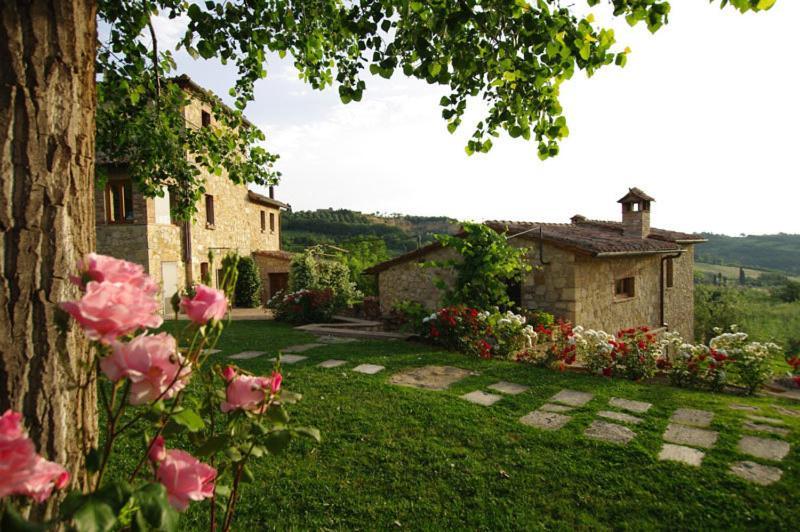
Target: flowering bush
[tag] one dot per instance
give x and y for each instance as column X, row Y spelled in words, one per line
column 793, row 359
column 693, row 366
column 482, row 334
column 751, row 360
column 594, row 348
column 556, row 347
column 303, row 306
column 234, row 416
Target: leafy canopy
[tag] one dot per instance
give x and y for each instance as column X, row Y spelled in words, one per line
column 486, row 265
column 512, row 54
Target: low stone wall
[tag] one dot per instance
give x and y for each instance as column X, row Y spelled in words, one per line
column 411, row 281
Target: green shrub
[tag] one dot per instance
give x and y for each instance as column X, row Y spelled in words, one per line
column 311, row 270
column 407, row 316
column 303, row 306
column 248, row 284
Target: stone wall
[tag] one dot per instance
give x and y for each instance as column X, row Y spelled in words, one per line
column 550, row 286
column 267, row 265
column 411, row 281
column 679, row 301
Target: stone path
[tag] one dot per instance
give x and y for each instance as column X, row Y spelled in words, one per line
column 614, row 432
column 571, row 398
column 430, row 377
column 369, row 369
column 770, row 448
column 481, row 398
column 766, row 448
column 620, row 416
column 756, row 473
column 690, row 416
column 212, row 351
column 609, row 432
column 550, row 416
column 508, row 388
column 247, row 355
column 302, row 348
column 544, row 420
column 691, row 436
column 290, row 359
column 637, row 407
column 681, row 453
column 336, row 340
column 332, row 363
column 685, row 433
column 547, row 407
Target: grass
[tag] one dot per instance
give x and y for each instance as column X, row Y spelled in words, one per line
column 395, row 457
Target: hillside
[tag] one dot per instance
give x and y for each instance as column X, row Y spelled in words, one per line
column 767, row 252
column 401, row 233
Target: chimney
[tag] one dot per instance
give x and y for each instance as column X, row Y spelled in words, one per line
column 272, row 192
column 636, row 213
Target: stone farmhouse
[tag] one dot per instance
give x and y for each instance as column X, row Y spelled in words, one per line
column 598, row 274
column 229, row 218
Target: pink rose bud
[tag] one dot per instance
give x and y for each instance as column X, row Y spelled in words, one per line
column 158, row 451
column 110, row 310
column 153, row 365
column 185, row 478
column 275, row 384
column 206, row 305
column 101, row 268
column 22, row 471
column 228, row 373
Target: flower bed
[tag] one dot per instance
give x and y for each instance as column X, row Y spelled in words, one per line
column 303, row 306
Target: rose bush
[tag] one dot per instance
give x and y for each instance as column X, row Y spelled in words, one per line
column 303, row 306
column 229, row 417
column 751, row 361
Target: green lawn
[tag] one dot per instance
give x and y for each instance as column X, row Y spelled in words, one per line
column 395, row 457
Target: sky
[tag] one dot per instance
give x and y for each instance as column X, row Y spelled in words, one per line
column 705, row 117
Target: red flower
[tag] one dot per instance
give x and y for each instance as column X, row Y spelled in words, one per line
column 642, row 345
column 434, row 331
column 607, row 372
column 796, row 379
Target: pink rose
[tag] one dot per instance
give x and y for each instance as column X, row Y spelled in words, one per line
column 228, row 373
column 101, row 268
column 109, row 310
column 207, row 304
column 185, row 477
column 158, row 451
column 153, row 365
column 246, row 392
column 22, row 471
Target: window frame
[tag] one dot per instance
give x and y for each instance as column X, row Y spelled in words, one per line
column 210, row 215
column 124, row 189
column 669, row 273
column 205, row 118
column 272, row 222
column 263, row 221
column 625, row 288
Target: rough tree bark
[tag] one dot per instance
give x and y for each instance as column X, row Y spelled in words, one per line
column 47, row 149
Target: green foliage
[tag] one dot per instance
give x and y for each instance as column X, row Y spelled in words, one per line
column 766, row 252
column 789, row 292
column 314, row 270
column 407, row 316
column 248, row 284
column 361, row 253
column 715, row 307
column 486, row 265
column 400, row 233
column 304, row 306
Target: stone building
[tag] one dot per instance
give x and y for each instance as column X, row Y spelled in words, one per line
column 230, row 218
column 598, row 274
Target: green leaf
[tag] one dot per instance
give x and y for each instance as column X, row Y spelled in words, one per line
column 154, row 510
column 277, row 414
column 247, row 474
column 277, row 440
column 189, row 419
column 212, row 445
column 13, row 522
column 94, row 515
column 309, row 432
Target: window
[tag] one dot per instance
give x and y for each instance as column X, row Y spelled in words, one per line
column 162, row 208
column 205, row 118
column 670, row 273
column 204, row 275
column 263, row 221
column 624, row 288
column 209, row 210
column 119, row 201
column 272, row 222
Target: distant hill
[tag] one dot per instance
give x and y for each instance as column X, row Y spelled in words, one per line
column 401, row 233
column 766, row 252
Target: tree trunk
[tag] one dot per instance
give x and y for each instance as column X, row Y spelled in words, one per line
column 47, row 111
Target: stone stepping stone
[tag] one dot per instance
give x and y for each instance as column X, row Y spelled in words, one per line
column 555, row 408
column 757, row 427
column 762, row 475
column 770, row 420
column 336, row 340
column 610, row 432
column 766, row 448
column 682, row 454
column 430, row 377
column 572, row 398
column 544, row 420
column 509, row 388
column 786, row 411
column 620, row 416
column 744, row 408
column 247, row 355
column 302, row 348
column 368, row 369
column 290, row 359
column 481, row 398
column 690, row 436
column 332, row 363
column 690, row 416
column 212, row 351
column 637, row 407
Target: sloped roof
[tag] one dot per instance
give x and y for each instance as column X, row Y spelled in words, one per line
column 589, row 237
column 264, row 200
column 635, row 194
column 275, row 254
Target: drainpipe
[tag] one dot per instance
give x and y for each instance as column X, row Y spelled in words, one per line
column 187, row 251
column 662, row 288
